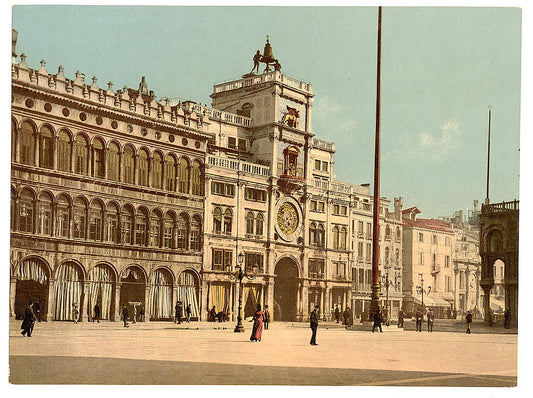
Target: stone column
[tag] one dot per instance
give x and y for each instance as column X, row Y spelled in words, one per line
column 12, row 296
column 84, row 302
column 116, row 315
column 51, row 300
column 147, row 314
column 455, row 288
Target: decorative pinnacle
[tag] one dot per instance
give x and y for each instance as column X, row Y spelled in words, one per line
column 43, row 63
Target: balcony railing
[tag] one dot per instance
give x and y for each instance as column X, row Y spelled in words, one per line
column 250, row 81
column 500, row 207
column 239, row 165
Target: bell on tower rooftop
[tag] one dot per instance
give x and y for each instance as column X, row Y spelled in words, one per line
column 268, row 55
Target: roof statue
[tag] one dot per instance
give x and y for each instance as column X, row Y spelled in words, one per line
column 267, row 58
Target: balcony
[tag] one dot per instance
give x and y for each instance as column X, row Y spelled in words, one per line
column 316, row 275
column 435, row 269
column 500, row 207
column 238, row 165
column 275, row 76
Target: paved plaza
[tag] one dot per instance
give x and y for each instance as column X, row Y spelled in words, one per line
column 203, row 353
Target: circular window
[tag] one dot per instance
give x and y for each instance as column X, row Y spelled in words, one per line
column 99, row 120
column 171, row 138
column 144, row 132
column 48, row 107
column 29, row 103
column 197, row 144
column 130, row 128
column 157, row 135
column 83, row 116
column 184, row 141
column 66, row 112
column 114, row 124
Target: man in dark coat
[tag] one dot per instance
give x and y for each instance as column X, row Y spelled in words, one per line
column 430, row 316
column 37, row 310
column 313, row 318
column 29, row 320
column 125, row 314
column 178, row 312
column 266, row 317
column 337, row 313
column 377, row 321
column 401, row 316
column 468, row 322
column 419, row 317
column 188, row 312
column 96, row 313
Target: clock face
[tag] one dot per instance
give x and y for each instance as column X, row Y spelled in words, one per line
column 287, row 218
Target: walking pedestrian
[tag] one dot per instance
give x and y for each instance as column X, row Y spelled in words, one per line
column 401, row 316
column 377, row 321
column 213, row 314
column 125, row 314
column 468, row 322
column 96, row 313
column 178, row 312
column 507, row 319
column 419, row 316
column 350, row 317
column 28, row 321
column 188, row 312
column 337, row 313
column 257, row 330
column 267, row 317
column 430, row 317
column 141, row 314
column 75, row 313
column 345, row 318
column 313, row 319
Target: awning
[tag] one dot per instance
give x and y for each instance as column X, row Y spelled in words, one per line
column 433, row 300
column 497, row 305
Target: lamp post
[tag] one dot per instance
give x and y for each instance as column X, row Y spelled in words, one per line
column 386, row 283
column 239, row 275
column 420, row 290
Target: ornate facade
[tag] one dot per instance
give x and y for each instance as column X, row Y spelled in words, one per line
column 118, row 198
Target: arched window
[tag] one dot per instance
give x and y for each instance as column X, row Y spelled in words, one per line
column 80, row 218
column 155, row 229
column 217, row 220
column 13, row 209
column 98, row 159
column 387, row 255
column 126, row 225
column 112, row 223
column 46, row 148
column 387, row 232
column 228, row 220
column 250, row 223
column 320, row 235
column 64, row 151
column 44, row 215
column 397, row 257
column 312, row 234
column 128, row 165
column 197, row 179
column 80, row 155
column 342, row 238
column 170, row 173
column 182, row 231
column 26, row 211
column 183, row 176
column 113, row 162
column 157, row 174
column 168, row 234
column 143, row 168
column 95, row 221
column 141, row 221
column 196, row 233
column 27, row 144
column 398, row 234
column 259, row 222
column 335, row 237
column 495, row 241
column 13, row 141
column 62, row 217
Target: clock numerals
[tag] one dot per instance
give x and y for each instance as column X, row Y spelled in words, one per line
column 287, row 218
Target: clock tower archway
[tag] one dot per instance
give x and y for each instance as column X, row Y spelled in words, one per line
column 286, row 286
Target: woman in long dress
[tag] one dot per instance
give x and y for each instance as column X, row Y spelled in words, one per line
column 257, row 330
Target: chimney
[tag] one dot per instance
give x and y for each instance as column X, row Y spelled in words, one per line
column 14, row 38
column 398, row 204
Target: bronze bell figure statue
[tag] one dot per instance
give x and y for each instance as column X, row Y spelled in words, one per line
column 268, row 56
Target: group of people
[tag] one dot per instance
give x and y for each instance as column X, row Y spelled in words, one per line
column 178, row 312
column 261, row 320
column 419, row 319
column 347, row 316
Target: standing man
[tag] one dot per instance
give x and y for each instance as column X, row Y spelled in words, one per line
column 29, row 320
column 267, row 317
column 178, row 312
column 468, row 322
column 401, row 316
column 257, row 59
column 419, row 318
column 125, row 314
column 96, row 313
column 337, row 313
column 377, row 321
column 188, row 312
column 37, row 310
column 430, row 317
column 75, row 313
column 314, row 324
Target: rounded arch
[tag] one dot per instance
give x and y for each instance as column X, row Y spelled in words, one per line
column 48, row 128
column 160, row 300
column 33, row 274
column 287, row 272
column 102, row 279
column 69, row 289
column 135, row 271
column 27, row 135
column 41, row 261
column 113, row 274
column 162, row 269
column 98, row 140
column 79, row 266
column 188, row 292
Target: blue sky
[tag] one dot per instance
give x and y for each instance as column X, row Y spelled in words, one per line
column 441, row 68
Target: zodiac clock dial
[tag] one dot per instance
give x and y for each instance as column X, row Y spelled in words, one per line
column 287, row 218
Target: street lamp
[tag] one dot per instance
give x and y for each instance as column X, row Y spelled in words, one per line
column 420, row 290
column 239, row 275
column 385, row 282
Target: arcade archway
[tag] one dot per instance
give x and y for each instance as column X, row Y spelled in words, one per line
column 133, row 287
column 32, row 284
column 286, row 290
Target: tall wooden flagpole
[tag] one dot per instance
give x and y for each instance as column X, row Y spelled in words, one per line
column 375, row 295
column 487, row 198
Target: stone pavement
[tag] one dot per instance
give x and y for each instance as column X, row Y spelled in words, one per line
column 211, row 353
